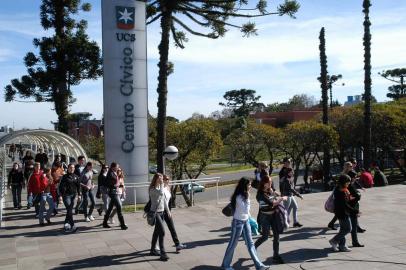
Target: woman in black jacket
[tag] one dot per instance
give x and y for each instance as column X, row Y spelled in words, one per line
column 16, row 183
column 343, row 209
column 113, row 185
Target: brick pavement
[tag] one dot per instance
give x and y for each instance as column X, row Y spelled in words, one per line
column 25, row 245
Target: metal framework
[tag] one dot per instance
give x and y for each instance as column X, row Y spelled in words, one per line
column 54, row 142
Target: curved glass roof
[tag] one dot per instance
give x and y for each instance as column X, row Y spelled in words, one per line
column 51, row 140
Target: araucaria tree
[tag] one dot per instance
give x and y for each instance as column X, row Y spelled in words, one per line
column 324, row 97
column 242, row 102
column 194, row 16
column 367, row 85
column 397, row 76
column 63, row 60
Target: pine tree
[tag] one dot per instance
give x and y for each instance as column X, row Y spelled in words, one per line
column 194, row 16
column 367, row 85
column 63, row 60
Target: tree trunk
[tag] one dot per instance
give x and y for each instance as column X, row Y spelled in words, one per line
column 324, row 98
column 162, row 89
column 61, row 93
column 367, row 85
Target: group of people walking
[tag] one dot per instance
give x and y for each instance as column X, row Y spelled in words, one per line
column 73, row 183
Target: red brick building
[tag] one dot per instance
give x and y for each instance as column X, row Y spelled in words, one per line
column 85, row 128
column 279, row 119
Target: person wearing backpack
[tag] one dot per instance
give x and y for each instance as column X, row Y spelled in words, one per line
column 240, row 202
column 268, row 201
column 343, row 210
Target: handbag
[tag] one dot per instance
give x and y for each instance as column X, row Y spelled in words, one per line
column 329, row 204
column 147, row 207
column 151, row 215
column 228, row 210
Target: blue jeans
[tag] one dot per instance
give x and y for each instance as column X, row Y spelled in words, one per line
column 291, row 204
column 345, row 228
column 68, row 201
column 46, row 198
column 239, row 227
column 87, row 194
column 16, row 190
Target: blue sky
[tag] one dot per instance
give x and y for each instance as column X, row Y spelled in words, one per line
column 282, row 60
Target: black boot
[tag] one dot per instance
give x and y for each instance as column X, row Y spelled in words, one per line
column 105, row 225
column 122, row 223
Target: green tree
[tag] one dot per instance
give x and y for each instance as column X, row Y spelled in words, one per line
column 242, row 102
column 198, row 141
column 324, row 80
column 246, row 142
column 367, row 85
column 272, row 139
column 94, row 147
column 195, row 16
column 397, row 76
column 304, row 140
column 63, row 60
column 297, row 102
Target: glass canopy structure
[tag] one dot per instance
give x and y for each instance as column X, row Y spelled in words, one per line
column 53, row 142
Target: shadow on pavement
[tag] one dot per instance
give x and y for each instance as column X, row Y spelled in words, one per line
column 304, row 233
column 105, row 261
column 303, row 254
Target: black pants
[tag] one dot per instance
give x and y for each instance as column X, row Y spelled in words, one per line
column 86, row 196
column 68, row 201
column 16, row 190
column 171, row 227
column 354, row 229
column 331, row 223
column 268, row 222
column 159, row 233
column 114, row 201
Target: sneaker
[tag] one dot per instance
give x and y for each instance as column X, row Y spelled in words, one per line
column 357, row 245
column 297, row 225
column 154, row 252
column 91, row 218
column 87, row 219
column 124, row 227
column 345, row 249
column 360, row 230
column 264, row 267
column 164, row 257
column 111, row 221
column 334, row 245
column 331, row 226
column 277, row 260
column 73, row 229
column 180, row 247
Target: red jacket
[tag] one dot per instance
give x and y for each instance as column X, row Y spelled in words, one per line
column 37, row 183
column 366, row 180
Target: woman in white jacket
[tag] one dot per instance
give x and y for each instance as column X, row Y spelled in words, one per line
column 240, row 202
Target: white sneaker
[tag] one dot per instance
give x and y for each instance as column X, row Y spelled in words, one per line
column 345, row 249
column 111, row 220
column 334, row 245
column 87, row 219
column 73, row 229
column 91, row 218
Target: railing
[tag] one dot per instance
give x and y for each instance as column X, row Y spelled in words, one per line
column 174, row 183
column 3, row 180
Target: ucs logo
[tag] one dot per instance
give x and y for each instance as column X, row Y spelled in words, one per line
column 125, row 17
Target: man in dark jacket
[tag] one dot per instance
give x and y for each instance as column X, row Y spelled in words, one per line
column 380, row 179
column 68, row 188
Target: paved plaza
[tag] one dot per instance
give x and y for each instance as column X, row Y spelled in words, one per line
column 205, row 231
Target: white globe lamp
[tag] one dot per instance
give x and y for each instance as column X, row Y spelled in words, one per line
column 171, row 152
